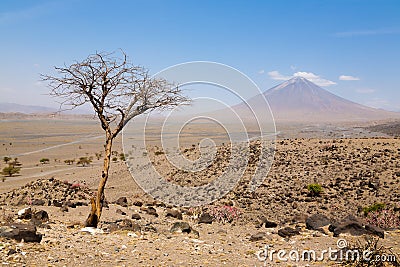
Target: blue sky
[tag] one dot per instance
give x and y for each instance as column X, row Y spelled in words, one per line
column 351, row 48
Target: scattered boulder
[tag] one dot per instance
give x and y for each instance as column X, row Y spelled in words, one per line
column 57, row 203
column 288, row 232
column 119, row 211
column 64, row 209
column 257, row 237
column 267, row 223
column 136, row 216
column 41, row 216
column 38, row 202
column 127, row 224
column 375, row 230
column 137, row 203
column 205, row 218
column 352, row 228
column 25, row 213
column 26, row 232
column 151, row 211
column 316, row 221
column 181, row 227
column 122, row 201
column 173, row 213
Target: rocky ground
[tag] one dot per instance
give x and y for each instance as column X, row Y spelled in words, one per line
column 282, row 213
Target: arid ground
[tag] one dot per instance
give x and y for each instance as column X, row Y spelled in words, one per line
column 355, row 166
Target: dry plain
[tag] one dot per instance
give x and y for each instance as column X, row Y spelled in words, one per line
column 355, row 167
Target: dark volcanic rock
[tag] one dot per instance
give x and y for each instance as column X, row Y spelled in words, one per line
column 41, row 216
column 317, row 221
column 288, row 232
column 151, row 211
column 205, row 218
column 27, row 232
column 122, row 201
column 173, row 213
column 38, row 202
column 353, row 228
column 375, row 230
column 180, row 227
column 136, row 216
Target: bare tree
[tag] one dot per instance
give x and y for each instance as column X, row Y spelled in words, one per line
column 118, row 92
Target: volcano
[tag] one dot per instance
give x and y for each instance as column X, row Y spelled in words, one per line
column 298, row 99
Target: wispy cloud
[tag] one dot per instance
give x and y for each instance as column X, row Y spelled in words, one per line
column 365, row 91
column 261, row 71
column 366, row 32
column 275, row 75
column 348, row 78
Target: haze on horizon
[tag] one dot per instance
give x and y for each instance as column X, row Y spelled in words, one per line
column 349, row 48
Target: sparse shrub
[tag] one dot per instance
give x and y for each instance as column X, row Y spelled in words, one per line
column 6, row 159
column 224, row 214
column 158, row 153
column 10, row 170
column 374, row 207
column 122, row 156
column 84, row 161
column 98, row 155
column 385, row 219
column 114, row 159
column 69, row 161
column 44, row 160
column 314, row 189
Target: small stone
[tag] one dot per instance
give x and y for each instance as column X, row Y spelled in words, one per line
column 151, row 211
column 122, row 201
column 136, row 216
column 119, row 211
column 257, row 237
column 288, row 232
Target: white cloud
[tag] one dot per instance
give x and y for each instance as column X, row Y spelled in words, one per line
column 348, row 78
column 261, row 71
column 314, row 78
column 365, row 91
column 275, row 75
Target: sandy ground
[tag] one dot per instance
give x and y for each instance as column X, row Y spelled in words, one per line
column 298, row 162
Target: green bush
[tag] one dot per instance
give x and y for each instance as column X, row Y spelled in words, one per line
column 314, row 189
column 10, row 170
column 374, row 207
column 44, row 160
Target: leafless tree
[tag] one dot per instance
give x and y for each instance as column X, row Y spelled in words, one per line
column 118, row 91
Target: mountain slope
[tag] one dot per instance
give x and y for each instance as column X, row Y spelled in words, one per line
column 298, row 99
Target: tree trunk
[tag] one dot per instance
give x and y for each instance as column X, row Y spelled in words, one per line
column 97, row 203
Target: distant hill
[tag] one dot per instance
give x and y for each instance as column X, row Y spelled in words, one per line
column 31, row 109
column 27, row 109
column 298, row 99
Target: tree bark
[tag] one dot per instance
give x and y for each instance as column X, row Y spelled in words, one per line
column 97, row 203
